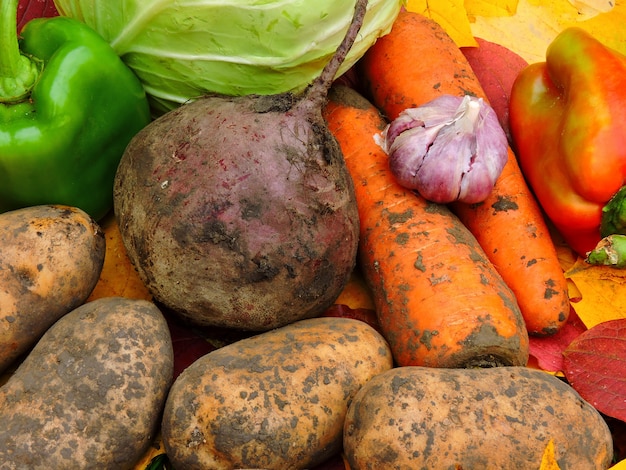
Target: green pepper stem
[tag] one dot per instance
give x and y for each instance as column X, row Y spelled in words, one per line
column 18, row 73
column 614, row 214
column 610, row 251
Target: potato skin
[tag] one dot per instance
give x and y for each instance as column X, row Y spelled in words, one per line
column 91, row 392
column 422, row 418
column 273, row 401
column 50, row 261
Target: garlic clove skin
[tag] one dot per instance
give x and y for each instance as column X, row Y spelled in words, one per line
column 450, row 149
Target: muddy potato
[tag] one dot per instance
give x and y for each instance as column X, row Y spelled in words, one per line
column 422, row 418
column 50, row 261
column 273, row 401
column 91, row 392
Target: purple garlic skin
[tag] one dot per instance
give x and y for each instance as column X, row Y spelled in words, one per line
column 450, row 149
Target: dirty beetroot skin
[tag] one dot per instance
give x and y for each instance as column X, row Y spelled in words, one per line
column 228, row 237
column 239, row 211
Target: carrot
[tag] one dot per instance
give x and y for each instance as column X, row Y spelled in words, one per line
column 438, row 299
column 416, row 62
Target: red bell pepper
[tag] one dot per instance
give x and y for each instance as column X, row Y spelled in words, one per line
column 567, row 118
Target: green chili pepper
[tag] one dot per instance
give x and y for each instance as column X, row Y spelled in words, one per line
column 68, row 108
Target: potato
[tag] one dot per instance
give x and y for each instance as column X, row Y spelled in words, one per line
column 276, row 400
column 91, row 392
column 50, row 261
column 421, row 418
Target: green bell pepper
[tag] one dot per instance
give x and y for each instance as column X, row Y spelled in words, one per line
column 68, row 108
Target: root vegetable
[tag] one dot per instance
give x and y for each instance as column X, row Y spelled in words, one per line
column 509, row 224
column 91, row 391
column 50, row 262
column 439, row 301
column 277, row 400
column 239, row 211
column 504, row 417
column 449, row 149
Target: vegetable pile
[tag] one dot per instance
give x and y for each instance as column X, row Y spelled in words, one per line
column 276, row 216
column 508, row 224
column 320, row 254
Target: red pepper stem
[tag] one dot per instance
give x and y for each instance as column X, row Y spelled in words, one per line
column 610, row 251
column 614, row 215
column 18, row 73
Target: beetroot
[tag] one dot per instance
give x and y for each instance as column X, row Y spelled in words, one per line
column 239, row 212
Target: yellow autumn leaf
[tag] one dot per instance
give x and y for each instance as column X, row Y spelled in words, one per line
column 621, row 465
column 490, row 7
column 591, row 8
column 118, row 278
column 450, row 14
column 356, row 293
column 548, row 460
column 536, row 23
column 602, row 292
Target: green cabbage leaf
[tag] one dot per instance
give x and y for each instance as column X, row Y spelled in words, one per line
column 182, row 49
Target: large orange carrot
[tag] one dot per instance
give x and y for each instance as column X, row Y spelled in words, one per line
column 439, row 301
column 417, row 62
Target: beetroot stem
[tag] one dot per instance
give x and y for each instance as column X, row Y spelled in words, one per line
column 318, row 91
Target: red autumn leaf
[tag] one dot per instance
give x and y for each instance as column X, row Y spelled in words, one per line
column 191, row 342
column 29, row 9
column 496, row 68
column 336, row 462
column 548, row 350
column 595, row 366
column 187, row 344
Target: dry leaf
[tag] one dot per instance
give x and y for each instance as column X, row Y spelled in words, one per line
column 450, row 14
column 187, row 342
column 490, row 8
column 619, row 466
column 548, row 350
column 548, row 460
column 496, row 68
column 602, row 292
column 537, row 23
column 591, row 8
column 118, row 278
column 356, row 294
column 594, row 364
column 29, row 9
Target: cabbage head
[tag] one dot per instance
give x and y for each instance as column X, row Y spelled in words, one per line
column 182, row 49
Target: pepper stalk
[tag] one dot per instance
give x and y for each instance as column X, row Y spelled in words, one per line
column 610, row 251
column 614, row 215
column 18, row 72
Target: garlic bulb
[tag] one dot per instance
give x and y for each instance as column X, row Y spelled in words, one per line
column 450, row 149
